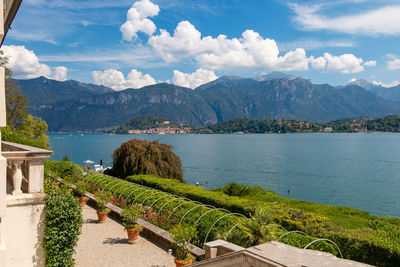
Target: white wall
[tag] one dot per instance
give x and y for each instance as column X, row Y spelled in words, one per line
column 24, row 224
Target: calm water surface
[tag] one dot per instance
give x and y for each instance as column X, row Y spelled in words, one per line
column 357, row 170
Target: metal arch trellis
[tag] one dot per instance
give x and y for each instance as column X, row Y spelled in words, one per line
column 110, row 183
column 220, row 218
column 120, row 183
column 155, row 201
column 159, row 211
column 145, row 190
column 158, row 192
column 183, row 217
column 205, row 213
column 129, row 186
column 327, row 240
column 126, row 199
column 292, row 232
column 90, row 178
column 181, row 204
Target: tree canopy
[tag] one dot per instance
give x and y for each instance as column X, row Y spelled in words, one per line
column 145, row 157
column 22, row 127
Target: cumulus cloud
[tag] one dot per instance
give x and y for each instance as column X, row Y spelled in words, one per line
column 60, row 73
column 394, row 64
column 371, row 63
column 193, row 80
column 318, row 63
column 26, row 65
column 251, row 52
column 116, row 79
column 380, row 21
column 387, row 85
column 346, row 63
column 137, row 20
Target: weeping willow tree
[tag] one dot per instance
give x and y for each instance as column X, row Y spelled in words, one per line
column 145, row 157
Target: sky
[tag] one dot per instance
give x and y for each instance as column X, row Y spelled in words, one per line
column 130, row 44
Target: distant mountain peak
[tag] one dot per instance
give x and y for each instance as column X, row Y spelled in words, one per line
column 274, row 76
column 362, row 83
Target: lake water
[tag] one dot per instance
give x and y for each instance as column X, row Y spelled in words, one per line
column 356, row 170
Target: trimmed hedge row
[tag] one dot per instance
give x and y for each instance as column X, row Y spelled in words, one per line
column 63, row 223
column 378, row 243
column 195, row 213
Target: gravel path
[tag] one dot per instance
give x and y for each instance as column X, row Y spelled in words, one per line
column 105, row 244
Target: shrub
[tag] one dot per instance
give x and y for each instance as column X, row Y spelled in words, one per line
column 63, row 223
column 63, row 169
column 183, row 234
column 130, row 215
column 102, row 199
column 145, row 157
column 234, row 189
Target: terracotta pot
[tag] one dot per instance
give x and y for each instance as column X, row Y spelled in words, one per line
column 102, row 215
column 133, row 234
column 181, row 263
column 83, row 201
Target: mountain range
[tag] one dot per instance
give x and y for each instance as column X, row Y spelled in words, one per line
column 74, row 106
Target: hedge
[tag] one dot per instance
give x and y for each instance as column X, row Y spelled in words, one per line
column 376, row 243
column 375, row 240
column 63, row 223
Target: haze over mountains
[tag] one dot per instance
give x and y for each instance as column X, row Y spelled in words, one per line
column 74, row 106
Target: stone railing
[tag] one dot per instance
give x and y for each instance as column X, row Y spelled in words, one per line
column 25, row 167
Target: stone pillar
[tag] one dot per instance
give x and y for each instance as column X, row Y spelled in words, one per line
column 36, row 174
column 3, row 162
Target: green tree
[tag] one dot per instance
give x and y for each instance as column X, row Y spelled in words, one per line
column 145, row 157
column 22, row 127
column 65, row 158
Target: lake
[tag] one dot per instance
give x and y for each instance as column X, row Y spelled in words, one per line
column 356, row 170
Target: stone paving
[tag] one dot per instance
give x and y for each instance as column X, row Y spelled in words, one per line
column 105, row 244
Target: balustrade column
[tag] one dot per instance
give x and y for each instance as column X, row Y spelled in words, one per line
column 17, row 177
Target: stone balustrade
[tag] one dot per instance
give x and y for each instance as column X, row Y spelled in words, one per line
column 25, row 167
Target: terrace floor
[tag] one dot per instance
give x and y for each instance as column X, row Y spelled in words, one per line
column 105, row 244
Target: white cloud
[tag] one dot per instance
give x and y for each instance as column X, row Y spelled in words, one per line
column 313, row 44
column 251, row 52
column 60, row 73
column 379, row 21
column 193, row 80
column 137, row 20
column 26, row 65
column 318, row 63
column 116, row 80
column 394, row 64
column 371, row 63
column 387, row 85
column 346, row 63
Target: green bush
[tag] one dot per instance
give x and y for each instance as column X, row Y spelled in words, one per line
column 234, row 189
column 63, row 223
column 63, row 169
column 145, row 157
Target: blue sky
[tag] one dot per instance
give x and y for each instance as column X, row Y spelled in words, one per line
column 130, row 44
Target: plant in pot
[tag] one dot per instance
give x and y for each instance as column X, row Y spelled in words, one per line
column 102, row 199
column 130, row 215
column 81, row 188
column 183, row 235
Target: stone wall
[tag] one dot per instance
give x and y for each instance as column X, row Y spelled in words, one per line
column 24, row 232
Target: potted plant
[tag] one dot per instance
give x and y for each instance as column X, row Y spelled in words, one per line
column 130, row 215
column 102, row 199
column 81, row 188
column 183, row 234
